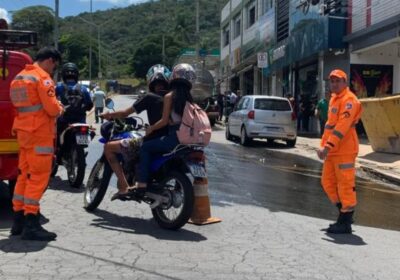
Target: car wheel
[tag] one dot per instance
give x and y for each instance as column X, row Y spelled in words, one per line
column 228, row 135
column 291, row 143
column 244, row 139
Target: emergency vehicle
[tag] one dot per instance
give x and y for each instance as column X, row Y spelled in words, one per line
column 12, row 61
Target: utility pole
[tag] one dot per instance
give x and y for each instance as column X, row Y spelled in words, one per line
column 163, row 38
column 197, row 31
column 57, row 10
column 99, row 75
column 56, row 32
column 90, row 43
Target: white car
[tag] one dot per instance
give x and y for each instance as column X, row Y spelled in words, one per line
column 261, row 116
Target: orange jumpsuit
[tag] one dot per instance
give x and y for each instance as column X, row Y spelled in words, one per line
column 340, row 136
column 32, row 93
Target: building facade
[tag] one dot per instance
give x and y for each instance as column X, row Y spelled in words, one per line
column 374, row 45
column 302, row 47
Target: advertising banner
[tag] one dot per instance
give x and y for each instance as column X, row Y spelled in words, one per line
column 367, row 80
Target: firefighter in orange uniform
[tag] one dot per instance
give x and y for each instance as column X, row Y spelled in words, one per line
column 33, row 95
column 339, row 149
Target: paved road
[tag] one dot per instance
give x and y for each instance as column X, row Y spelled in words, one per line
column 273, row 210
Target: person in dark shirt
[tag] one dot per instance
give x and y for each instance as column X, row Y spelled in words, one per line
column 158, row 80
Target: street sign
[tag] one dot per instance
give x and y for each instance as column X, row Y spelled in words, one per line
column 262, row 60
column 202, row 52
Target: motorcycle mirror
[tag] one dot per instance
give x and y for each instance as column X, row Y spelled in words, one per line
column 109, row 103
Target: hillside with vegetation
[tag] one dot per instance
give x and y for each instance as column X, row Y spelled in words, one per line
column 130, row 38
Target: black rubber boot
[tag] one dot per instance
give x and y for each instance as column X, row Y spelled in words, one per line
column 339, row 207
column 343, row 225
column 19, row 222
column 34, row 231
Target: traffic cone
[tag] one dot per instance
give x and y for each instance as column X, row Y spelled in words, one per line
column 201, row 211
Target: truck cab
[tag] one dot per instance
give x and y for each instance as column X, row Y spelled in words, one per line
column 12, row 61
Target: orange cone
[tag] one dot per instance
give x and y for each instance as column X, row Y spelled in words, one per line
column 201, row 211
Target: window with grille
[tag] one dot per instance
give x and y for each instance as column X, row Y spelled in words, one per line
column 282, row 20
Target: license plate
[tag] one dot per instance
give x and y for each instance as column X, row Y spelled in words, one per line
column 82, row 139
column 272, row 128
column 198, row 170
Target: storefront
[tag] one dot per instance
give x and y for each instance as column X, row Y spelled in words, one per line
column 300, row 63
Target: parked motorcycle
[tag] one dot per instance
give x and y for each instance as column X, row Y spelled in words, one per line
column 71, row 152
column 170, row 190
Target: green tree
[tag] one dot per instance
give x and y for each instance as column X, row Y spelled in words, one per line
column 75, row 48
column 150, row 53
column 36, row 18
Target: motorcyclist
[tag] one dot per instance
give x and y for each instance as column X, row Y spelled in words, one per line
column 75, row 98
column 158, row 84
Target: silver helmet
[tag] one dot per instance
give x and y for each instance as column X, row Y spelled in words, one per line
column 183, row 72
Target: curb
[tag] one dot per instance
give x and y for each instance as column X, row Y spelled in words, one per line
column 360, row 164
column 381, row 174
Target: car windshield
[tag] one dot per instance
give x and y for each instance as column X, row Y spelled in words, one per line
column 271, row 104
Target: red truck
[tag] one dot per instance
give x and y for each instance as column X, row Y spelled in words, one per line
column 12, row 61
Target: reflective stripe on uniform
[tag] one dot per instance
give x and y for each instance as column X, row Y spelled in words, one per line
column 338, row 134
column 29, row 109
column 346, row 165
column 44, row 150
column 31, row 201
column 26, row 77
column 18, row 94
column 18, row 197
column 328, row 126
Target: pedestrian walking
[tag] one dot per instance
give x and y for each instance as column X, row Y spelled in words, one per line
column 321, row 111
column 32, row 92
column 339, row 149
column 99, row 98
column 220, row 102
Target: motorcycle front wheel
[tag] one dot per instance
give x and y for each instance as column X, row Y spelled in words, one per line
column 179, row 196
column 76, row 168
column 97, row 184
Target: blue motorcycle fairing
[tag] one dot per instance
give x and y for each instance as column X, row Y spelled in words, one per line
column 159, row 161
column 124, row 135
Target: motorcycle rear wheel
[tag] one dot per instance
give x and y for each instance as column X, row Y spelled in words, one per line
column 97, row 184
column 176, row 213
column 76, row 171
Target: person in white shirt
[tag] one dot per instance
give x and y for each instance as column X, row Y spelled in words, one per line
column 99, row 98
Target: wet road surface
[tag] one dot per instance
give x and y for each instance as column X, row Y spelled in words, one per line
column 283, row 182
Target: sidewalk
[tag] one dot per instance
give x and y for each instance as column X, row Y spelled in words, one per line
column 385, row 166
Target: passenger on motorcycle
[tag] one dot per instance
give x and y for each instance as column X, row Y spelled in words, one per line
column 75, row 98
column 158, row 83
column 182, row 78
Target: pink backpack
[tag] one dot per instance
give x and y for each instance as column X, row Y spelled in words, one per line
column 195, row 127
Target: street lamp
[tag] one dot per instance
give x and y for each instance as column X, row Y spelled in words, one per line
column 98, row 42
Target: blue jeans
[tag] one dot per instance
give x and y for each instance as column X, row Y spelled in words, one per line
column 153, row 148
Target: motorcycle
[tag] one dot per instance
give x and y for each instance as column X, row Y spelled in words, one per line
column 170, row 189
column 71, row 152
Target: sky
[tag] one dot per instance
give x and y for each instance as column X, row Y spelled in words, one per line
column 67, row 7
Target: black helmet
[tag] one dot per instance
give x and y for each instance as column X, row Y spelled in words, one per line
column 158, row 73
column 70, row 72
